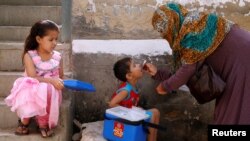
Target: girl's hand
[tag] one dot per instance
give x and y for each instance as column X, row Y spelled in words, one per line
column 160, row 89
column 150, row 69
column 57, row 83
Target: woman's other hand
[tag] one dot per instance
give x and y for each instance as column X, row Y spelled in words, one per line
column 160, row 89
column 150, row 69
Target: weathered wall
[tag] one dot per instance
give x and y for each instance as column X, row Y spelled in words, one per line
column 131, row 19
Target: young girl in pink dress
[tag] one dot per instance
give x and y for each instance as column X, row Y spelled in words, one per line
column 38, row 93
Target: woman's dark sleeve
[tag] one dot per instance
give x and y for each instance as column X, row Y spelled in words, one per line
column 180, row 78
column 162, row 74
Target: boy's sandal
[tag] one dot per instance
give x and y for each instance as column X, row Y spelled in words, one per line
column 22, row 129
column 45, row 132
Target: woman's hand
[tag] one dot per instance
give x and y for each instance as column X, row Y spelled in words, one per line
column 57, row 83
column 160, row 89
column 150, row 69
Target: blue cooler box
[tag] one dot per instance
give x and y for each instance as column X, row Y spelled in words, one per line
column 123, row 124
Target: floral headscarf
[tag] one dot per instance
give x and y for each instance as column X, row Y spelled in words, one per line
column 192, row 35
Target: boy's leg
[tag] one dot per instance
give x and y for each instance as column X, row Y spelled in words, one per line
column 154, row 119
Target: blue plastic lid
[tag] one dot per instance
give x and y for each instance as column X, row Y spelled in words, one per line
column 78, row 85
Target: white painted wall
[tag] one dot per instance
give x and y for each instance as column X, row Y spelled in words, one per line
column 126, row 47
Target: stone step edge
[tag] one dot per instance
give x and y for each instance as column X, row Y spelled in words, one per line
column 30, row 6
column 20, row 26
column 67, row 74
column 33, row 132
column 19, row 45
column 2, row 101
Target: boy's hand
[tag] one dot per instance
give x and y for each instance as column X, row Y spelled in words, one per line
column 160, row 89
column 150, row 69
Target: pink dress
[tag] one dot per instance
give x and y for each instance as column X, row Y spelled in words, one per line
column 29, row 97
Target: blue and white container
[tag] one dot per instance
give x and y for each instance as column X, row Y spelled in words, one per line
column 124, row 124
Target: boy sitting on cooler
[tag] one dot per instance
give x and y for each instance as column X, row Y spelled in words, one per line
column 129, row 73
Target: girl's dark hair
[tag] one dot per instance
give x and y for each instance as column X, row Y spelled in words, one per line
column 40, row 28
column 121, row 68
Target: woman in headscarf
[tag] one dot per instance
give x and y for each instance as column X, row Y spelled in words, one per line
column 195, row 36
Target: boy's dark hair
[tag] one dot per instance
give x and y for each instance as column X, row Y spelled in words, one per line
column 121, row 68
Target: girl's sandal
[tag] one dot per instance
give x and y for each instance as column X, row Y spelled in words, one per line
column 22, row 129
column 45, row 132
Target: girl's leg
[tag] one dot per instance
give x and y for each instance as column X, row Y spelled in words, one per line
column 42, row 121
column 26, row 121
column 154, row 119
column 22, row 128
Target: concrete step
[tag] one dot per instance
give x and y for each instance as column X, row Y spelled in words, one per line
column 15, row 49
column 31, row 2
column 14, row 33
column 8, row 78
column 62, row 132
column 28, row 15
column 8, row 135
column 17, row 33
column 8, row 118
